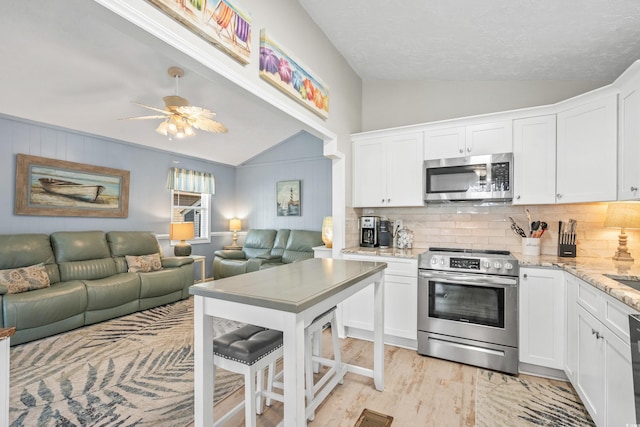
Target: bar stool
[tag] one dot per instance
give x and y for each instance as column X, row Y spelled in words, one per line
column 249, row 350
column 318, row 391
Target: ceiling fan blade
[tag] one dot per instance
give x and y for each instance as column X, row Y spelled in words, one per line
column 208, row 125
column 196, row 112
column 144, row 118
column 159, row 110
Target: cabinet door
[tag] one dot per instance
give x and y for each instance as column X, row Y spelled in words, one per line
column 489, row 138
column 404, row 171
column 590, row 379
column 357, row 310
column 586, row 152
column 620, row 401
column 400, row 307
column 444, row 143
column 571, row 349
column 534, row 152
column 542, row 317
column 369, row 173
column 629, row 144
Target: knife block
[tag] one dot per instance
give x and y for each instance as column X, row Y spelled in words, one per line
column 566, row 251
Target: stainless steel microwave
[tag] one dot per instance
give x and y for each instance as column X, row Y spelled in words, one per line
column 486, row 177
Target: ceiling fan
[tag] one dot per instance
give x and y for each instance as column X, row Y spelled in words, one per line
column 179, row 118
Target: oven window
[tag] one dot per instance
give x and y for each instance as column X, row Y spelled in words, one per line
column 464, row 303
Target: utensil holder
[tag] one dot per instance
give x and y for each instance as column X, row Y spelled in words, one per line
column 566, row 250
column 530, row 246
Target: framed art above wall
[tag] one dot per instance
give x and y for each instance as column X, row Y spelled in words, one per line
column 53, row 187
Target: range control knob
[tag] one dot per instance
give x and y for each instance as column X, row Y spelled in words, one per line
column 434, row 260
column 442, row 261
column 486, row 264
column 508, row 266
column 497, row 266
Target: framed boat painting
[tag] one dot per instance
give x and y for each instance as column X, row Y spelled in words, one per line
column 53, row 187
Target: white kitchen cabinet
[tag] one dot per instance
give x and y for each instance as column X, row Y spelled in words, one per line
column 387, row 171
column 602, row 373
column 472, row 140
column 587, row 151
column 571, row 348
column 534, row 152
column 400, row 303
column 629, row 137
column 542, row 317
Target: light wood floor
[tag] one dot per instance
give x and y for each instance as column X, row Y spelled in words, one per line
column 419, row 391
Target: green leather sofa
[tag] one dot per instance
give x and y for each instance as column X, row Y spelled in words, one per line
column 264, row 249
column 89, row 280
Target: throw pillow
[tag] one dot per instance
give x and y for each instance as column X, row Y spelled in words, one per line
column 25, row 279
column 144, row 263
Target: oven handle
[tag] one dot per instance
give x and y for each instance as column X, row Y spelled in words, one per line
column 470, row 279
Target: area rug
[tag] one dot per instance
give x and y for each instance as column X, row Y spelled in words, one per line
column 505, row 400
column 136, row 370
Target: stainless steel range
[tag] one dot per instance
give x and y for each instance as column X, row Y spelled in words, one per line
column 468, row 307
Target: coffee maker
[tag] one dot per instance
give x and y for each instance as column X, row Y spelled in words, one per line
column 385, row 237
column 369, row 231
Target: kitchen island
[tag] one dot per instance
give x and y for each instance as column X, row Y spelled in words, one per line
column 285, row 298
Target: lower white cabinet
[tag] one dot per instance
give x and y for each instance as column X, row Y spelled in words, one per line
column 601, row 371
column 542, row 317
column 400, row 303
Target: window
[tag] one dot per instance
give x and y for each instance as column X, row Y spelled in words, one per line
column 192, row 207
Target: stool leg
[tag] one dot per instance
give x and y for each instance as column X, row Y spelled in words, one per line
column 336, row 344
column 317, row 348
column 308, row 368
column 250, row 399
column 270, row 373
column 259, row 387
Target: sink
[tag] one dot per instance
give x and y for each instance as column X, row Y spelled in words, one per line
column 631, row 281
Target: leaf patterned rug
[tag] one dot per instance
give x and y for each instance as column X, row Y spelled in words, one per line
column 505, row 400
column 136, row 370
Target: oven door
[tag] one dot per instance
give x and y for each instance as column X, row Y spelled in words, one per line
column 472, row 306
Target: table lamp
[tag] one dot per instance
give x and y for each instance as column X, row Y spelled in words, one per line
column 182, row 231
column 235, row 225
column 327, row 231
column 623, row 215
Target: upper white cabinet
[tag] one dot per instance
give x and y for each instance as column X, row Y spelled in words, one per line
column 472, row 140
column 534, row 152
column 587, row 151
column 387, row 171
column 629, row 136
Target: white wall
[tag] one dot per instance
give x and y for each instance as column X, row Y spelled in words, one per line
column 394, row 103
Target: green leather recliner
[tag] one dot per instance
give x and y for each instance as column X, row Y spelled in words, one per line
column 265, row 249
column 89, row 280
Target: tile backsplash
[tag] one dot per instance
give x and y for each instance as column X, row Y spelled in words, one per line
column 487, row 226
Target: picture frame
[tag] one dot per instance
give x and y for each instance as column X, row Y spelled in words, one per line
column 288, row 198
column 220, row 22
column 51, row 187
column 291, row 77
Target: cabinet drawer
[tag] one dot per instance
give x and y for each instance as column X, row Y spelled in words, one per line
column 591, row 298
column 395, row 266
column 616, row 317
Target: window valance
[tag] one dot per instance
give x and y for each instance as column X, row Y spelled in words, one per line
column 191, row 181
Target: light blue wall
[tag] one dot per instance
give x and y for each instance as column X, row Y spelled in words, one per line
column 297, row 158
column 247, row 191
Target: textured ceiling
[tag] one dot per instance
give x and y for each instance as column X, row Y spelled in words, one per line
column 482, row 40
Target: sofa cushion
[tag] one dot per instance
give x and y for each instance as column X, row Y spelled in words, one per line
column 123, row 243
column 143, row 263
column 87, row 270
column 280, row 243
column 79, row 245
column 112, row 291
column 258, row 242
column 23, row 250
column 300, row 245
column 24, row 279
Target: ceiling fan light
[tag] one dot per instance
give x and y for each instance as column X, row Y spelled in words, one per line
column 188, row 130
column 162, row 128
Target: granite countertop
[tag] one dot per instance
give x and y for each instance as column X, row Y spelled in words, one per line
column 592, row 271
column 388, row 252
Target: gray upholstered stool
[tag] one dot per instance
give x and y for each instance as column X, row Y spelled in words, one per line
column 249, row 350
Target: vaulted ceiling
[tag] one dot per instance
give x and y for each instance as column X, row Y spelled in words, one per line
column 80, row 66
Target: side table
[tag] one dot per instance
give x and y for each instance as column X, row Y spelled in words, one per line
column 322, row 252
column 201, row 259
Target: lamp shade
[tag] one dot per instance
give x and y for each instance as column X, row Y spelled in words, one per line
column 327, row 231
column 623, row 215
column 181, row 231
column 235, row 224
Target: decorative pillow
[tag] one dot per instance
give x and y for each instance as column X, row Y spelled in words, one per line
column 144, row 263
column 25, row 279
